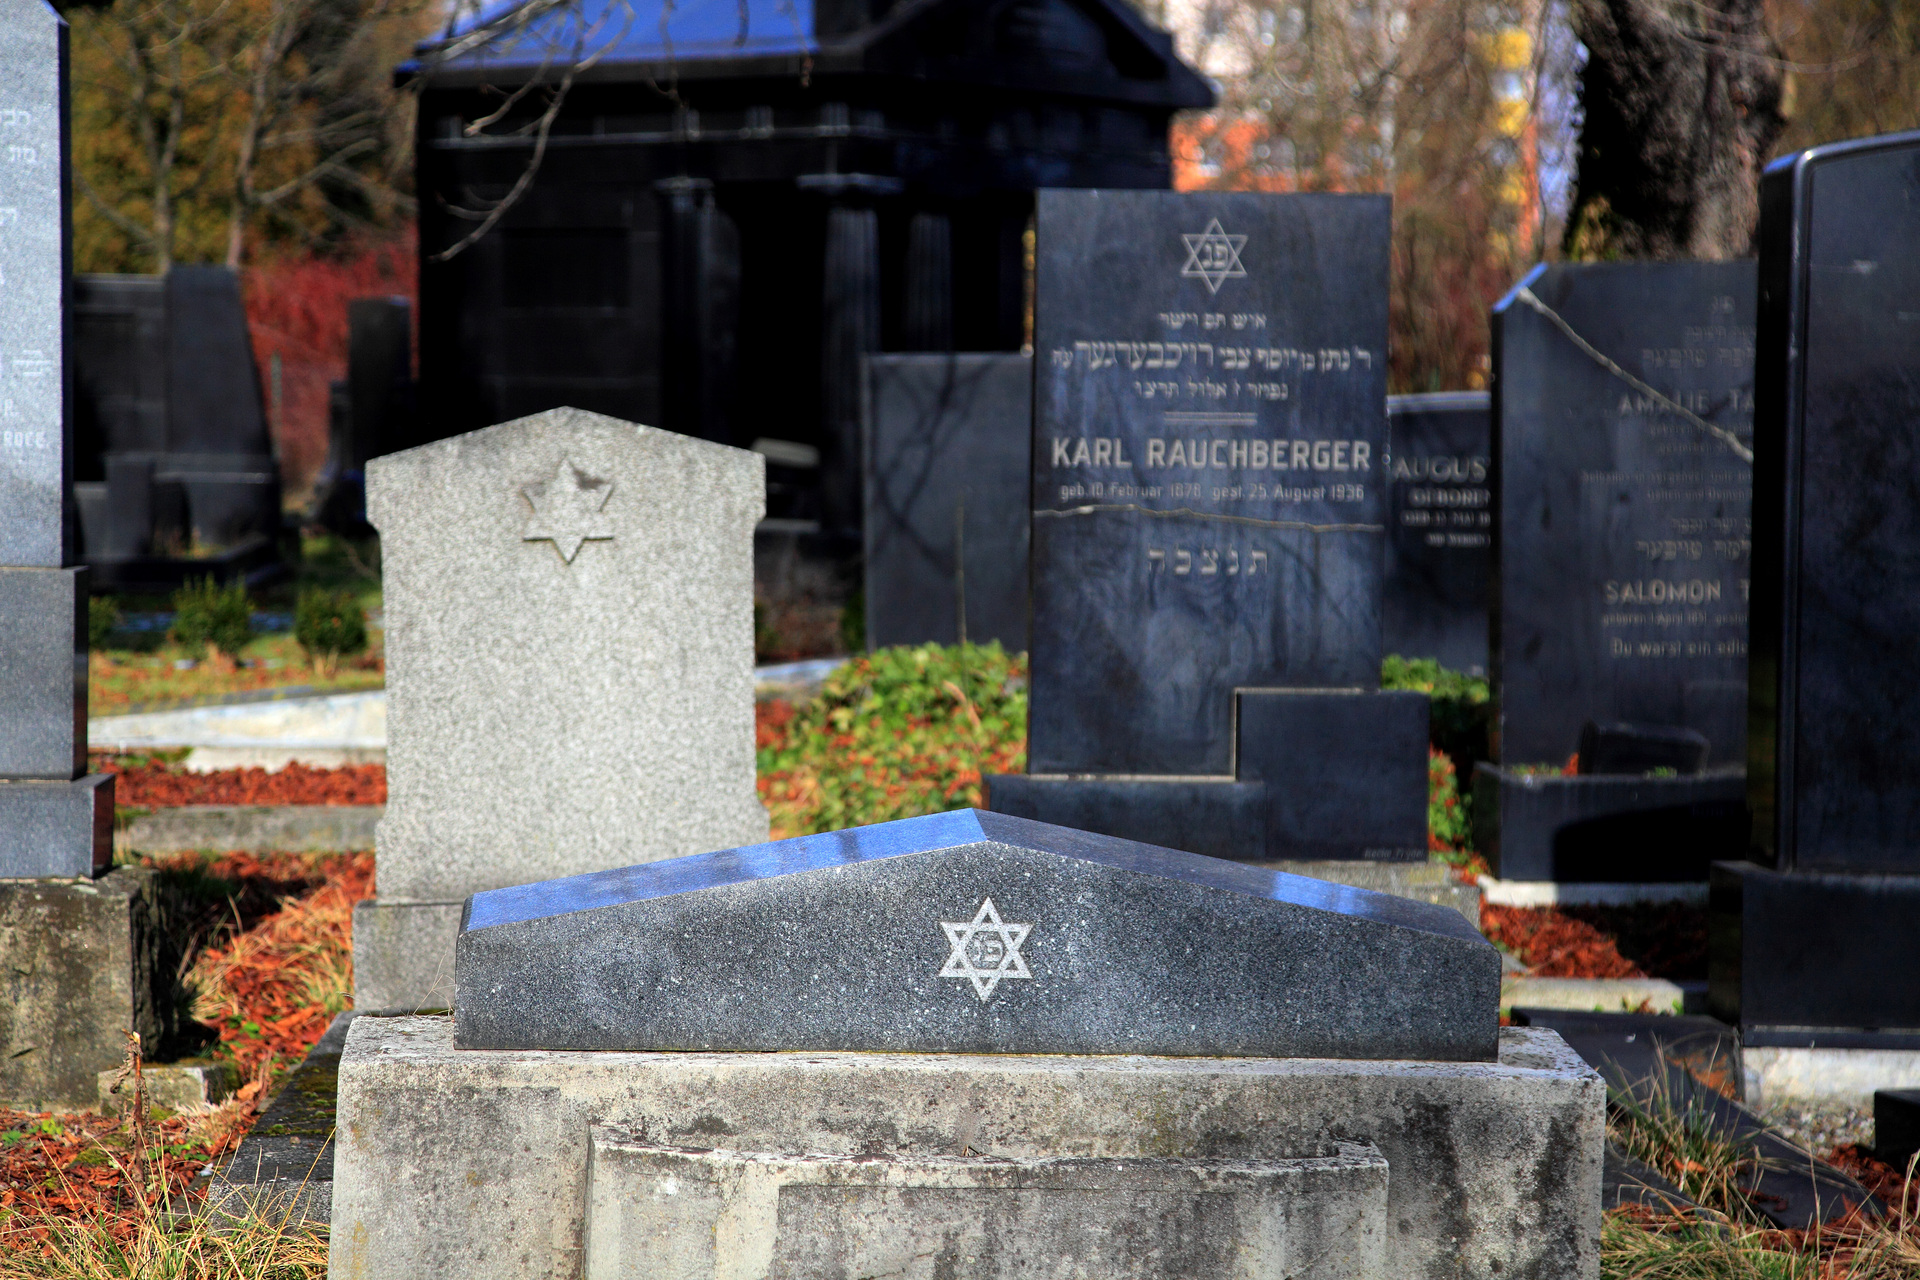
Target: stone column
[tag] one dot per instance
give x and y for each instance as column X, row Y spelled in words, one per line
column 929, row 291
column 700, row 309
column 849, row 330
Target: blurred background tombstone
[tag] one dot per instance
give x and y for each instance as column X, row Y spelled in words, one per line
column 947, row 440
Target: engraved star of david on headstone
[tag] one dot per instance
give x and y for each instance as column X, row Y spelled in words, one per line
column 1214, row 256
column 567, row 510
column 985, row 950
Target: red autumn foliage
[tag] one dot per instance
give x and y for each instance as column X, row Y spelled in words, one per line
column 1664, row 940
column 154, row 785
column 75, row 1166
column 263, row 988
column 297, row 309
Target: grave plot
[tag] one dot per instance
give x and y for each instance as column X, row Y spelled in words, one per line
column 1038, row 992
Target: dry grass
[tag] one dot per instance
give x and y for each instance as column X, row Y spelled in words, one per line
column 1681, row 1139
column 162, row 1244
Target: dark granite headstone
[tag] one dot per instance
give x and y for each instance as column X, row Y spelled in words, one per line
column 379, row 380
column 216, row 421
column 947, row 441
column 1623, row 523
column 1815, row 939
column 1896, row 1126
column 1209, row 433
column 1208, row 505
column 971, row 932
column 1439, row 528
column 1836, row 781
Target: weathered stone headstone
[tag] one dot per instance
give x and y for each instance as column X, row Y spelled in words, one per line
column 569, row 613
column 947, row 440
column 1439, row 528
column 1208, row 517
column 1815, row 944
column 1014, row 1039
column 75, row 961
column 1622, row 413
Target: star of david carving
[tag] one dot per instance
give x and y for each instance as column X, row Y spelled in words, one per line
column 1214, row 256
column 984, row 950
column 567, row 510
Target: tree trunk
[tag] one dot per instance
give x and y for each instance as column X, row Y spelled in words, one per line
column 1682, row 104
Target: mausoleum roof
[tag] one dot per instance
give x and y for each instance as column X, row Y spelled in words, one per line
column 1089, row 48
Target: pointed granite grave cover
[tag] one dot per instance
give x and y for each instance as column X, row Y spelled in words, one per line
column 971, row 932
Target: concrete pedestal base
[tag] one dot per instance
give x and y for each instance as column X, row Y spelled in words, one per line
column 56, row 829
column 483, row 1162
column 403, row 955
column 1601, row 828
column 81, row 963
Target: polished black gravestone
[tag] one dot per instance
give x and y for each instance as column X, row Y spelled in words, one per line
column 1622, row 422
column 1814, row 938
column 1439, row 528
column 971, row 932
column 947, row 440
column 1208, row 507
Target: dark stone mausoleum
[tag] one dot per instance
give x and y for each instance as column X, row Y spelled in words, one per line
column 731, row 211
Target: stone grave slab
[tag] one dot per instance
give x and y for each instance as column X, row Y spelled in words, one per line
column 947, row 442
column 1318, row 1217
column 966, row 932
column 569, row 612
column 1439, row 528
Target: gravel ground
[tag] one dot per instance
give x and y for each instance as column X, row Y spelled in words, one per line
column 1820, row 1127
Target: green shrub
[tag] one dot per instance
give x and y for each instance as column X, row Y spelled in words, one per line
column 103, row 615
column 210, row 617
column 329, row 625
column 1448, row 812
column 893, row 734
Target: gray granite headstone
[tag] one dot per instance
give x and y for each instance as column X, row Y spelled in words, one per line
column 569, row 610
column 53, row 820
column 946, row 494
column 971, row 932
column 33, row 281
